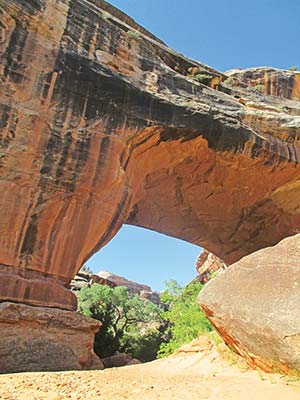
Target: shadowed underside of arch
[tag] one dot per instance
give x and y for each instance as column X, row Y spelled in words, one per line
column 102, row 124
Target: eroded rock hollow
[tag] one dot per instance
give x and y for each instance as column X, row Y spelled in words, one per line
column 102, row 124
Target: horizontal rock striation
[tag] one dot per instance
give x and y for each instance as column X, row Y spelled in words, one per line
column 46, row 339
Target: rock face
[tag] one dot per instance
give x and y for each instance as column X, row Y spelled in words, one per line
column 207, row 265
column 101, row 124
column 272, row 81
column 98, row 119
column 144, row 291
column 46, row 339
column 254, row 305
column 83, row 279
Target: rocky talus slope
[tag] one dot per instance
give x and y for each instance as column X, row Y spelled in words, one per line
column 102, row 124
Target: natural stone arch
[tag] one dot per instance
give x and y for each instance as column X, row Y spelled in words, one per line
column 88, row 143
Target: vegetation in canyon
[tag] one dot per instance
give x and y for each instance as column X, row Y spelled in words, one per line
column 185, row 319
column 129, row 324
column 139, row 327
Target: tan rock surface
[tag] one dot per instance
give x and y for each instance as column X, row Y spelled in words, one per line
column 193, row 377
column 45, row 339
column 254, row 304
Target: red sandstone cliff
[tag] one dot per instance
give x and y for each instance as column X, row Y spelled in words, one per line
column 208, row 265
column 102, row 124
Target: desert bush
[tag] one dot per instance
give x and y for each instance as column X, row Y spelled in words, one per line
column 133, row 35
column 186, row 321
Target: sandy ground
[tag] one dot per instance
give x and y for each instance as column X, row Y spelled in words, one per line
column 184, row 377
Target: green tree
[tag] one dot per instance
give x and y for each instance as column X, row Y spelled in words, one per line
column 127, row 320
column 185, row 318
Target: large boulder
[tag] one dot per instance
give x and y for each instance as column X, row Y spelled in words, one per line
column 119, row 360
column 254, row 305
column 46, row 339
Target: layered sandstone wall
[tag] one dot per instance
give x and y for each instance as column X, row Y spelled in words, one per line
column 102, row 124
column 46, row 339
column 271, row 81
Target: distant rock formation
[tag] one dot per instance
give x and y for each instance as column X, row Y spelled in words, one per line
column 133, row 287
column 144, row 291
column 84, row 279
column 208, row 265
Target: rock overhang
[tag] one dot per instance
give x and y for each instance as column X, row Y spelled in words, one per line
column 104, row 124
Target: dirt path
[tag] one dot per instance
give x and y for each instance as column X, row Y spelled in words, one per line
column 184, row 377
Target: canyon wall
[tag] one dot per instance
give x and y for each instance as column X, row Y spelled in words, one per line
column 102, row 124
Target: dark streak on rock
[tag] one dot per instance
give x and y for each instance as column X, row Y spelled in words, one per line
column 12, row 58
column 30, row 236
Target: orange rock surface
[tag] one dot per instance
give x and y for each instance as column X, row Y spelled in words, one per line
column 207, row 266
column 102, row 124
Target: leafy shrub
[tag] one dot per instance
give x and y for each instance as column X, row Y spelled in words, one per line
column 293, row 68
column 133, row 35
column 185, row 318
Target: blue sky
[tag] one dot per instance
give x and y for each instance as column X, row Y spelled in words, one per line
column 224, row 34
